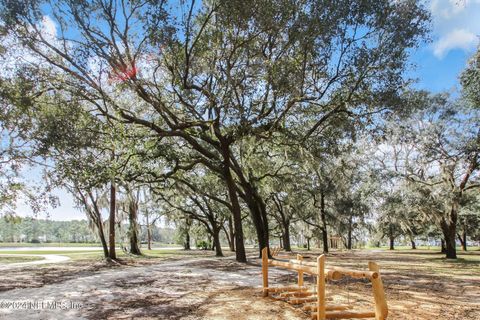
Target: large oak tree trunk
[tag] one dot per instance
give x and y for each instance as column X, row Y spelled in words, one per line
column 391, row 237
column 449, row 229
column 235, row 208
column 392, row 243
column 463, row 237
column 349, row 238
column 133, row 229
column 286, row 236
column 186, row 244
column 259, row 216
column 231, row 234
column 216, row 242
column 323, row 217
column 111, row 232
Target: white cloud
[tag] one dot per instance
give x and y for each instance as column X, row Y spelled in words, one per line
column 448, row 9
column 456, row 39
column 456, row 25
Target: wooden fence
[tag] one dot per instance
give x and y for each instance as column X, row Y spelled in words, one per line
column 315, row 300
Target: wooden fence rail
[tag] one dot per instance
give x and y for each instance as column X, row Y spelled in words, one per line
column 316, row 299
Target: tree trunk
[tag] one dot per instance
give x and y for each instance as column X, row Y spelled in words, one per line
column 186, row 244
column 443, row 248
column 149, row 231
column 101, row 235
column 391, row 237
column 258, row 214
column 449, row 229
column 349, row 239
column 231, row 234
column 286, row 236
column 414, row 246
column 308, row 244
column 211, row 245
column 236, row 211
column 111, row 236
column 463, row 237
column 323, row 217
column 133, row 232
column 149, row 237
column 216, row 242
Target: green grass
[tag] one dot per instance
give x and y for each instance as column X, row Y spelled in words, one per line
column 18, row 259
column 74, row 244
column 61, row 252
column 430, row 248
column 51, row 244
column 96, row 254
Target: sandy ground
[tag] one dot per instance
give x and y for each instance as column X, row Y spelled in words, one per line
column 198, row 287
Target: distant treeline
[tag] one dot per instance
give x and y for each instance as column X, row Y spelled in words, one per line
column 33, row 230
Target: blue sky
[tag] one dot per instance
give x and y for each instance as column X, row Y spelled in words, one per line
column 455, row 37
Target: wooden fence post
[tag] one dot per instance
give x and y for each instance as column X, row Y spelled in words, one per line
column 321, row 287
column 381, row 308
column 300, row 273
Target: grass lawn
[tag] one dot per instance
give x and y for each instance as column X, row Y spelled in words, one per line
column 96, row 255
column 51, row 244
column 13, row 259
column 62, row 244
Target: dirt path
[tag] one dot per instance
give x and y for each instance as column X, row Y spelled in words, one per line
column 46, row 259
column 172, row 290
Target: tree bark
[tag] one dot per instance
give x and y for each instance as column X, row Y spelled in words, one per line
column 258, row 213
column 349, row 239
column 216, row 242
column 235, row 208
column 186, row 244
column 391, row 237
column 286, row 236
column 149, row 237
column 414, row 246
column 101, row 235
column 231, row 234
column 449, row 229
column 96, row 216
column 463, row 237
column 149, row 230
column 323, row 217
column 133, row 232
column 111, row 232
